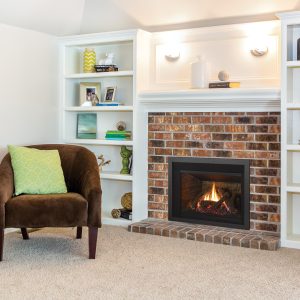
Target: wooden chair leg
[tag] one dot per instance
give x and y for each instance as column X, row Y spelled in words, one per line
column 79, row 233
column 93, row 233
column 24, row 233
column 1, row 243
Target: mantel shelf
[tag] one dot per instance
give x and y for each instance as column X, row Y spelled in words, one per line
column 248, row 99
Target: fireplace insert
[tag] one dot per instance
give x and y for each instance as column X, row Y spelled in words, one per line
column 209, row 191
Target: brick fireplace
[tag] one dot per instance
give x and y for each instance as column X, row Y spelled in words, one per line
column 236, row 135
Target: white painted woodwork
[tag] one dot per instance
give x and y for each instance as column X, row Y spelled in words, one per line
column 290, row 131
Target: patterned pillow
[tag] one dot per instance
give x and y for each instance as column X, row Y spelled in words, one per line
column 37, row 171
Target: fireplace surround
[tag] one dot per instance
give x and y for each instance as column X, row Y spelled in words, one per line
column 212, row 191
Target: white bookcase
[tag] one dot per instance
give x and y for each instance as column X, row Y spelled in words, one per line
column 290, row 131
column 124, row 45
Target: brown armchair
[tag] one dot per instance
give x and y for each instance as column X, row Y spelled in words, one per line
column 81, row 206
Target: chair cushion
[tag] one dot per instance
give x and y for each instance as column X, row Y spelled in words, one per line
column 54, row 210
column 37, row 171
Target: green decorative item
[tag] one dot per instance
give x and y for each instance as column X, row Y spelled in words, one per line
column 37, row 171
column 125, row 154
column 89, row 60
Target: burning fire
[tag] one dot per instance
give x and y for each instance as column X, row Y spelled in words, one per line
column 212, row 195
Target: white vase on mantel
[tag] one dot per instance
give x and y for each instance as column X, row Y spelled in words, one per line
column 199, row 73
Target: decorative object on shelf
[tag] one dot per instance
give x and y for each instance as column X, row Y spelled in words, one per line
column 121, row 125
column 126, row 155
column 109, row 104
column 106, row 68
column 89, row 60
column 199, row 73
column 102, row 162
column 126, row 201
column 224, row 84
column 298, row 49
column 110, row 94
column 108, row 60
column 116, row 213
column 86, row 126
column 223, row 76
column 118, row 135
column 259, row 50
column 90, row 92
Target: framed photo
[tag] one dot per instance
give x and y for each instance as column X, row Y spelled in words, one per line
column 110, row 94
column 89, row 91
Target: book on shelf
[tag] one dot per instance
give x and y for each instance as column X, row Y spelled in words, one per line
column 126, row 214
column 224, row 84
column 118, row 135
column 109, row 104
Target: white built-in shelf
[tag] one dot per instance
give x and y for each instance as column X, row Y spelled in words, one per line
column 100, row 74
column 293, row 188
column 109, row 220
column 99, row 142
column 293, row 64
column 100, row 108
column 115, row 176
column 291, row 147
column 293, row 106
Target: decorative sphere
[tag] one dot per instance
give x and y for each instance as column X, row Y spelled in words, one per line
column 126, row 201
column 223, row 75
column 121, row 125
column 116, row 213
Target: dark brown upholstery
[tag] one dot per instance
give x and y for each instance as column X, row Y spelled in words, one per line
column 81, row 206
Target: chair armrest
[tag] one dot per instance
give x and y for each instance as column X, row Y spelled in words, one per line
column 86, row 181
column 6, row 186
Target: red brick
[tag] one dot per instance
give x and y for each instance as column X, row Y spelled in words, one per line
column 221, row 120
column 181, row 136
column 243, row 154
column 176, row 144
column 244, row 120
column 156, row 127
column 235, row 145
column 182, row 120
column 235, row 128
column 182, row 152
column 175, row 128
column 201, row 136
column 201, row 120
column 194, row 128
column 214, row 128
column 202, row 153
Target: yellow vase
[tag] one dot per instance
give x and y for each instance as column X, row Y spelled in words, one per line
column 89, row 60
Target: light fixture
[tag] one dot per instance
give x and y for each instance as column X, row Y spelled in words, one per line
column 172, row 54
column 259, row 51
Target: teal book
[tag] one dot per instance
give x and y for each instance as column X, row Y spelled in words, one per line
column 86, row 126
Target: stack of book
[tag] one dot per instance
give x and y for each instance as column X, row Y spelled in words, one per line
column 126, row 214
column 224, row 84
column 113, row 103
column 118, row 135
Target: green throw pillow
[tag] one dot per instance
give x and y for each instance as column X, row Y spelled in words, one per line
column 37, row 171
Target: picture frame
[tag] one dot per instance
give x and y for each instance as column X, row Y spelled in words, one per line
column 87, row 90
column 110, row 94
column 86, row 126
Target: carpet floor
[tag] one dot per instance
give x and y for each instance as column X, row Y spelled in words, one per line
column 53, row 265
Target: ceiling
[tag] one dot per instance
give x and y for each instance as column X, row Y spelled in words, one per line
column 63, row 17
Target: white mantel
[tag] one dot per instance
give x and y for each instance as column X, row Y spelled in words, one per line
column 240, row 99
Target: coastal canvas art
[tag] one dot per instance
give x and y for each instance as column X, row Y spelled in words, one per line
column 87, row 126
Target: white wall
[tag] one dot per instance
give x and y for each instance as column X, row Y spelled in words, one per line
column 29, row 111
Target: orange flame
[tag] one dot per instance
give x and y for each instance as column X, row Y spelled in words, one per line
column 212, row 195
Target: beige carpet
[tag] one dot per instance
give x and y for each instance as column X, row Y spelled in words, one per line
column 53, row 265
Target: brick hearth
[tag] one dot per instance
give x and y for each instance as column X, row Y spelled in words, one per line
column 254, row 136
column 210, row 234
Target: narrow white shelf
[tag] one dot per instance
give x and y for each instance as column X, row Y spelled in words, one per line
column 293, row 188
column 115, row 176
column 293, row 64
column 293, row 106
column 99, row 108
column 109, row 220
column 293, row 147
column 100, row 74
column 99, row 142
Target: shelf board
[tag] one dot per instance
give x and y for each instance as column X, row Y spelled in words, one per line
column 293, row 106
column 292, row 147
column 99, row 108
column 99, row 74
column 293, row 64
column 115, row 176
column 99, row 142
column 109, row 220
column 293, row 188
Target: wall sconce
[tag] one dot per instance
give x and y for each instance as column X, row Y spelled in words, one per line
column 172, row 54
column 259, row 51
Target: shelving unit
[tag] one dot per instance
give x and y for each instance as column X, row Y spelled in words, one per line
column 290, row 131
column 125, row 45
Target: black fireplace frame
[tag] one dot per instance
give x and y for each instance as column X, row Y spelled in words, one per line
column 174, row 214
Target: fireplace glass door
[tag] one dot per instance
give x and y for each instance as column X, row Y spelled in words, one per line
column 209, row 191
